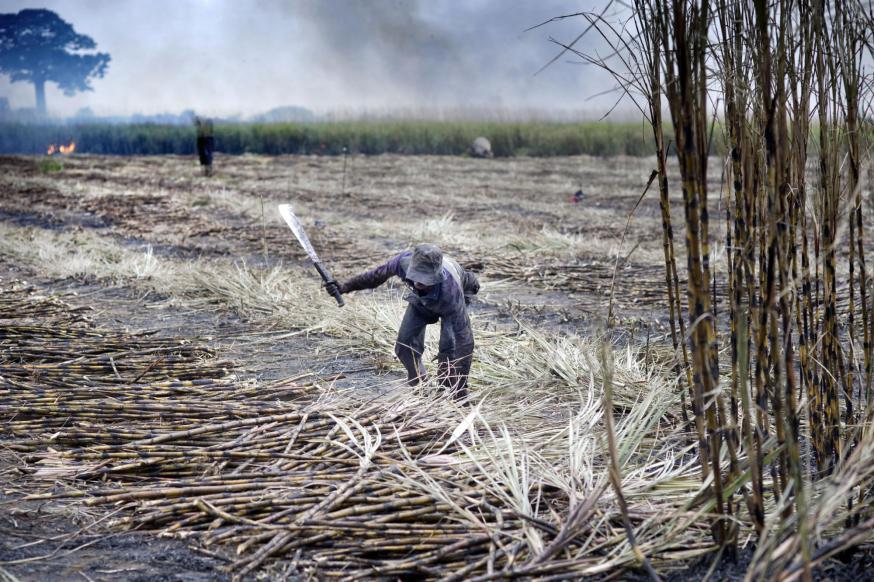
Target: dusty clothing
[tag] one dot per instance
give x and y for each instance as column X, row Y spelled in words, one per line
column 446, row 302
column 454, row 356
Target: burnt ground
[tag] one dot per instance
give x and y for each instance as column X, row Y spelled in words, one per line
column 49, row 542
column 162, row 202
column 60, row 539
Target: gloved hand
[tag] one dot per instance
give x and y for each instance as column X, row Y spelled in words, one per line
column 333, row 288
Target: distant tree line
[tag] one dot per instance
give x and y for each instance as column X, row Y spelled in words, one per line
column 369, row 138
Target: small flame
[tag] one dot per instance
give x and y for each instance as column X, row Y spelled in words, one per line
column 62, row 149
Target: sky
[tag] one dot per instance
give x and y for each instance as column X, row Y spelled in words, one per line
column 243, row 57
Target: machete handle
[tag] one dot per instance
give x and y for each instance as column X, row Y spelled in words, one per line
column 327, row 278
column 336, row 293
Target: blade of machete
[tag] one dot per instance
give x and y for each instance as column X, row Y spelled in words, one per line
column 297, row 228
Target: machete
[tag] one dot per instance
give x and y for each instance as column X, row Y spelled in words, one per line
column 297, row 228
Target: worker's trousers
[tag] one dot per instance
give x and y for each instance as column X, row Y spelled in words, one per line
column 454, row 355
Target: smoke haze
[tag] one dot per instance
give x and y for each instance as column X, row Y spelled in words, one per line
column 348, row 56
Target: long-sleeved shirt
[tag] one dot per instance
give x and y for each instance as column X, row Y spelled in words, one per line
column 445, row 300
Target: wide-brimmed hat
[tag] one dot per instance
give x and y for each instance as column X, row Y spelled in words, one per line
column 426, row 265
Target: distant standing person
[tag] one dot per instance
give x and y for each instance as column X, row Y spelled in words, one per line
column 205, row 144
column 440, row 289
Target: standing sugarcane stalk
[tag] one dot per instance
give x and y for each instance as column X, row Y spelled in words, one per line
column 829, row 433
column 688, row 110
column 850, row 39
column 650, row 86
column 800, row 75
column 777, row 210
column 733, row 62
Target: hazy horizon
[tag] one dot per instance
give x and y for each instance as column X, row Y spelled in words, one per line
column 347, row 57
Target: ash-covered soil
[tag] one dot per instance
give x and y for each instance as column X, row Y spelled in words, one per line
column 54, row 541
column 61, row 539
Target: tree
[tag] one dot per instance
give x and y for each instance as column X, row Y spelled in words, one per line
column 37, row 46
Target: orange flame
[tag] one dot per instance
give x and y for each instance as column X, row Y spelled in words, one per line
column 63, row 149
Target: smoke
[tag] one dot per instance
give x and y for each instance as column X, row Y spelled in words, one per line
column 419, row 54
column 226, row 57
column 387, row 50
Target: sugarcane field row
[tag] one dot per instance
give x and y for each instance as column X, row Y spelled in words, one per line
column 172, row 368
